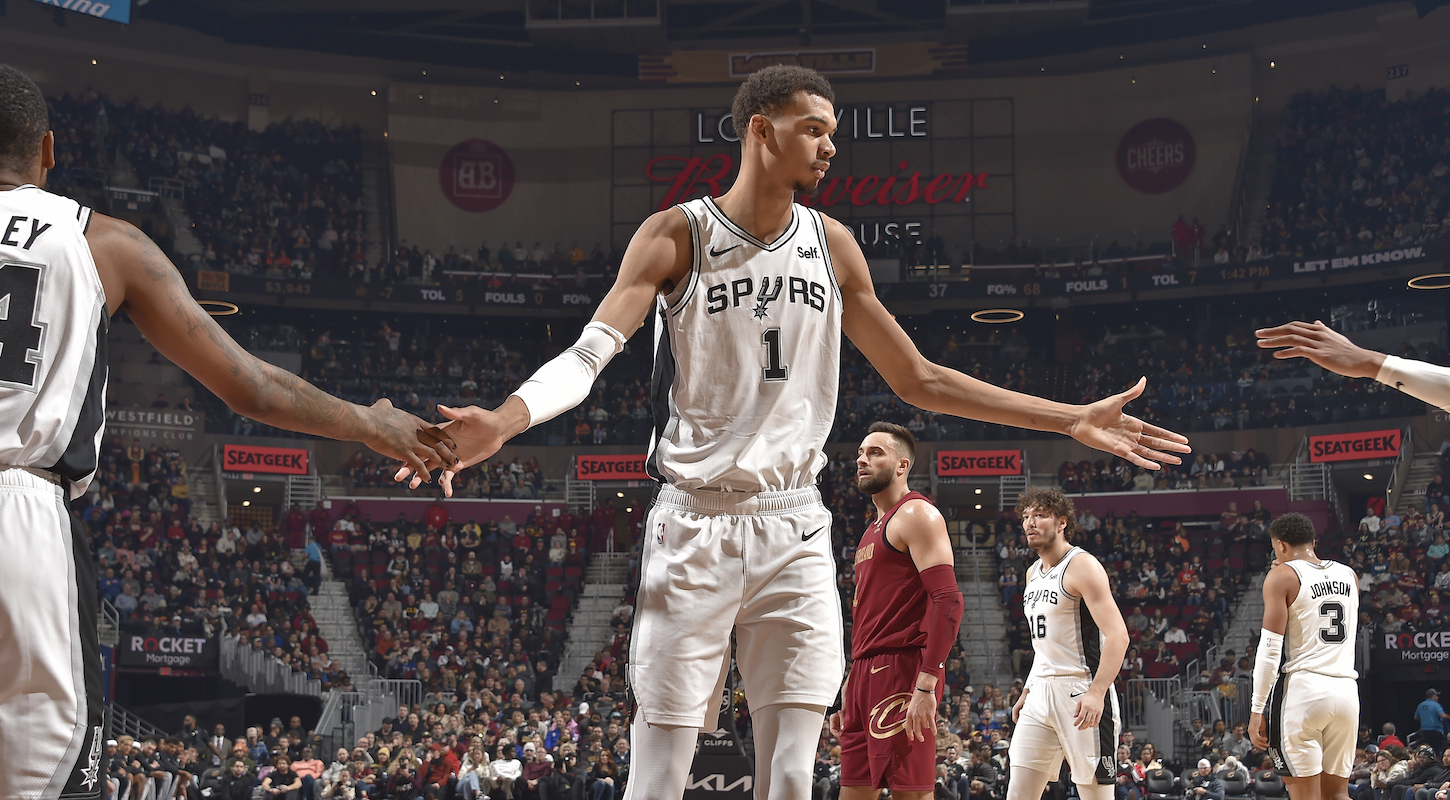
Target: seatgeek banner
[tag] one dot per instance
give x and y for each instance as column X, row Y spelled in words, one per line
column 610, row 468
column 115, row 10
column 967, row 463
column 271, row 460
column 1360, row 446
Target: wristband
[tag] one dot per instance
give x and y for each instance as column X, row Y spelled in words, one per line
column 919, row 689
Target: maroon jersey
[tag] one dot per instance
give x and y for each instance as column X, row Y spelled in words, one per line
column 890, row 600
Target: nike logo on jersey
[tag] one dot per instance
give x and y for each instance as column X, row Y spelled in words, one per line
column 875, row 670
column 1077, row 694
column 796, row 290
column 806, row 537
column 717, row 253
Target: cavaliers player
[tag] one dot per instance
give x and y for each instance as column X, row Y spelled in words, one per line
column 1068, row 709
column 63, row 272
column 1305, row 706
column 750, row 293
column 905, row 617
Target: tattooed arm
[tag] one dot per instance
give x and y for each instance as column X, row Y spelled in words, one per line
column 140, row 280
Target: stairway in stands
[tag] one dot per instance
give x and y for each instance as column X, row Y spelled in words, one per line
column 1057, row 384
column 1423, row 467
column 588, row 630
column 338, row 626
column 983, row 634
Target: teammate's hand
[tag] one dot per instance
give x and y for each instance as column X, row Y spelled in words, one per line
column 476, row 434
column 1104, row 426
column 836, row 724
column 920, row 716
column 419, row 445
column 1322, row 345
column 1088, row 711
column 1017, row 707
column 1258, row 731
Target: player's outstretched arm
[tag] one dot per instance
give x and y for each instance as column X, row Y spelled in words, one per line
column 922, row 533
column 658, row 257
column 1102, row 425
column 1280, row 587
column 1334, row 351
column 1086, row 578
column 140, row 280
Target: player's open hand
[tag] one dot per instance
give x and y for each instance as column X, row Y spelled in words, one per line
column 417, row 444
column 920, row 716
column 1104, row 426
column 1017, row 707
column 1323, row 345
column 1258, row 731
column 475, row 434
column 835, row 724
column 1089, row 710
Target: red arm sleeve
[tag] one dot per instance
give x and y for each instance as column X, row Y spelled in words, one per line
column 943, row 617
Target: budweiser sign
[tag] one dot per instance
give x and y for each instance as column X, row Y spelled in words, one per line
column 688, row 177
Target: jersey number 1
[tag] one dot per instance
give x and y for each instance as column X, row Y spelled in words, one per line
column 774, row 370
column 19, row 335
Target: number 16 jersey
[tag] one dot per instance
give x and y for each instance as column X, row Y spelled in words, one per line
column 747, row 357
column 1319, row 636
column 53, row 321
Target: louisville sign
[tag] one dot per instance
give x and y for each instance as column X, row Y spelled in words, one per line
column 272, row 460
column 1354, row 446
column 965, row 463
column 173, row 652
column 611, row 468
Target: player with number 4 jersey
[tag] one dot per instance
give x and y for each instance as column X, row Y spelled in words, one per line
column 1305, row 706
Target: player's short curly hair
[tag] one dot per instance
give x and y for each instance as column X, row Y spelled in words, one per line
column 771, row 88
column 1292, row 529
column 24, row 118
column 1053, row 501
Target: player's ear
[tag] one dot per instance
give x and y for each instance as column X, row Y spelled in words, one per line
column 759, row 127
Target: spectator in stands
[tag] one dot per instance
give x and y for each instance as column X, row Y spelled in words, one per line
column 1203, row 784
column 1436, row 783
column 1389, row 767
column 1388, row 737
column 308, row 767
column 236, row 783
column 1424, row 768
column 1432, row 717
column 282, row 782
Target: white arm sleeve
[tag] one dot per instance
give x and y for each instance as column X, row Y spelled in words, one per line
column 1266, row 668
column 1417, row 379
column 565, row 381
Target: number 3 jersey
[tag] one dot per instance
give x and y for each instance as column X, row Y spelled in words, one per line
column 747, row 358
column 53, row 320
column 1319, row 636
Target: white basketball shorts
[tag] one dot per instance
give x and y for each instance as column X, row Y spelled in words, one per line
column 1046, row 734
column 51, row 709
column 759, row 563
column 1312, row 721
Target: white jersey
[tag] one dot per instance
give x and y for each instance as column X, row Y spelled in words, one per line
column 53, row 321
column 1322, row 620
column 747, row 358
column 1065, row 636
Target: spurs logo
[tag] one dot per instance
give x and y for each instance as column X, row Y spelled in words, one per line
column 766, row 296
column 890, row 707
column 91, row 774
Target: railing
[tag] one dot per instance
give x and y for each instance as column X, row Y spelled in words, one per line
column 1309, row 482
column 985, row 638
column 109, row 624
column 402, row 691
column 168, row 187
column 120, row 721
column 1009, row 488
column 1401, row 469
column 259, row 671
column 1136, row 693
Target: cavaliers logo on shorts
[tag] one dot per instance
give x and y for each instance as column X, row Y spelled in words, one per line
column 888, row 717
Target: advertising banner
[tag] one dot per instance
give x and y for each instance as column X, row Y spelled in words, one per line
column 968, row 463
column 114, row 10
column 1360, row 446
column 271, row 460
column 1409, row 656
column 611, row 468
column 169, row 652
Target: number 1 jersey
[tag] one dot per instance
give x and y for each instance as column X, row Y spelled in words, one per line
column 747, row 358
column 53, row 321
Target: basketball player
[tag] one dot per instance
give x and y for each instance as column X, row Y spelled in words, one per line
column 1304, row 669
column 64, row 271
column 1068, row 709
column 1334, row 351
column 906, row 615
column 750, row 293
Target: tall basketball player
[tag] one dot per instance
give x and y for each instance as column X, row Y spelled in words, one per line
column 750, row 294
column 1334, row 351
column 905, row 616
column 63, row 272
column 1305, row 706
column 1068, row 709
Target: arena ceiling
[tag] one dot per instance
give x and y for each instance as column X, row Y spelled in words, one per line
column 603, row 37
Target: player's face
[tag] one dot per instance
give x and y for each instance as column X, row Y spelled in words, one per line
column 876, row 464
column 1041, row 527
column 799, row 139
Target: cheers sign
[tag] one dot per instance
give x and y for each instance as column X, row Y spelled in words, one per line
column 687, row 176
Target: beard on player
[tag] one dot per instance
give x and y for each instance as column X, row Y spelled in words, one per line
column 810, row 187
column 874, row 482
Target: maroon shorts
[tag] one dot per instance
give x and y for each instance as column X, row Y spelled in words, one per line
column 874, row 748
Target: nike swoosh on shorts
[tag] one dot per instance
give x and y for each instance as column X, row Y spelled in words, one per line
column 806, row 537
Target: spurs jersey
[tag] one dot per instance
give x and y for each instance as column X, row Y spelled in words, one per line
column 1320, row 635
column 1065, row 636
column 53, row 321
column 747, row 358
